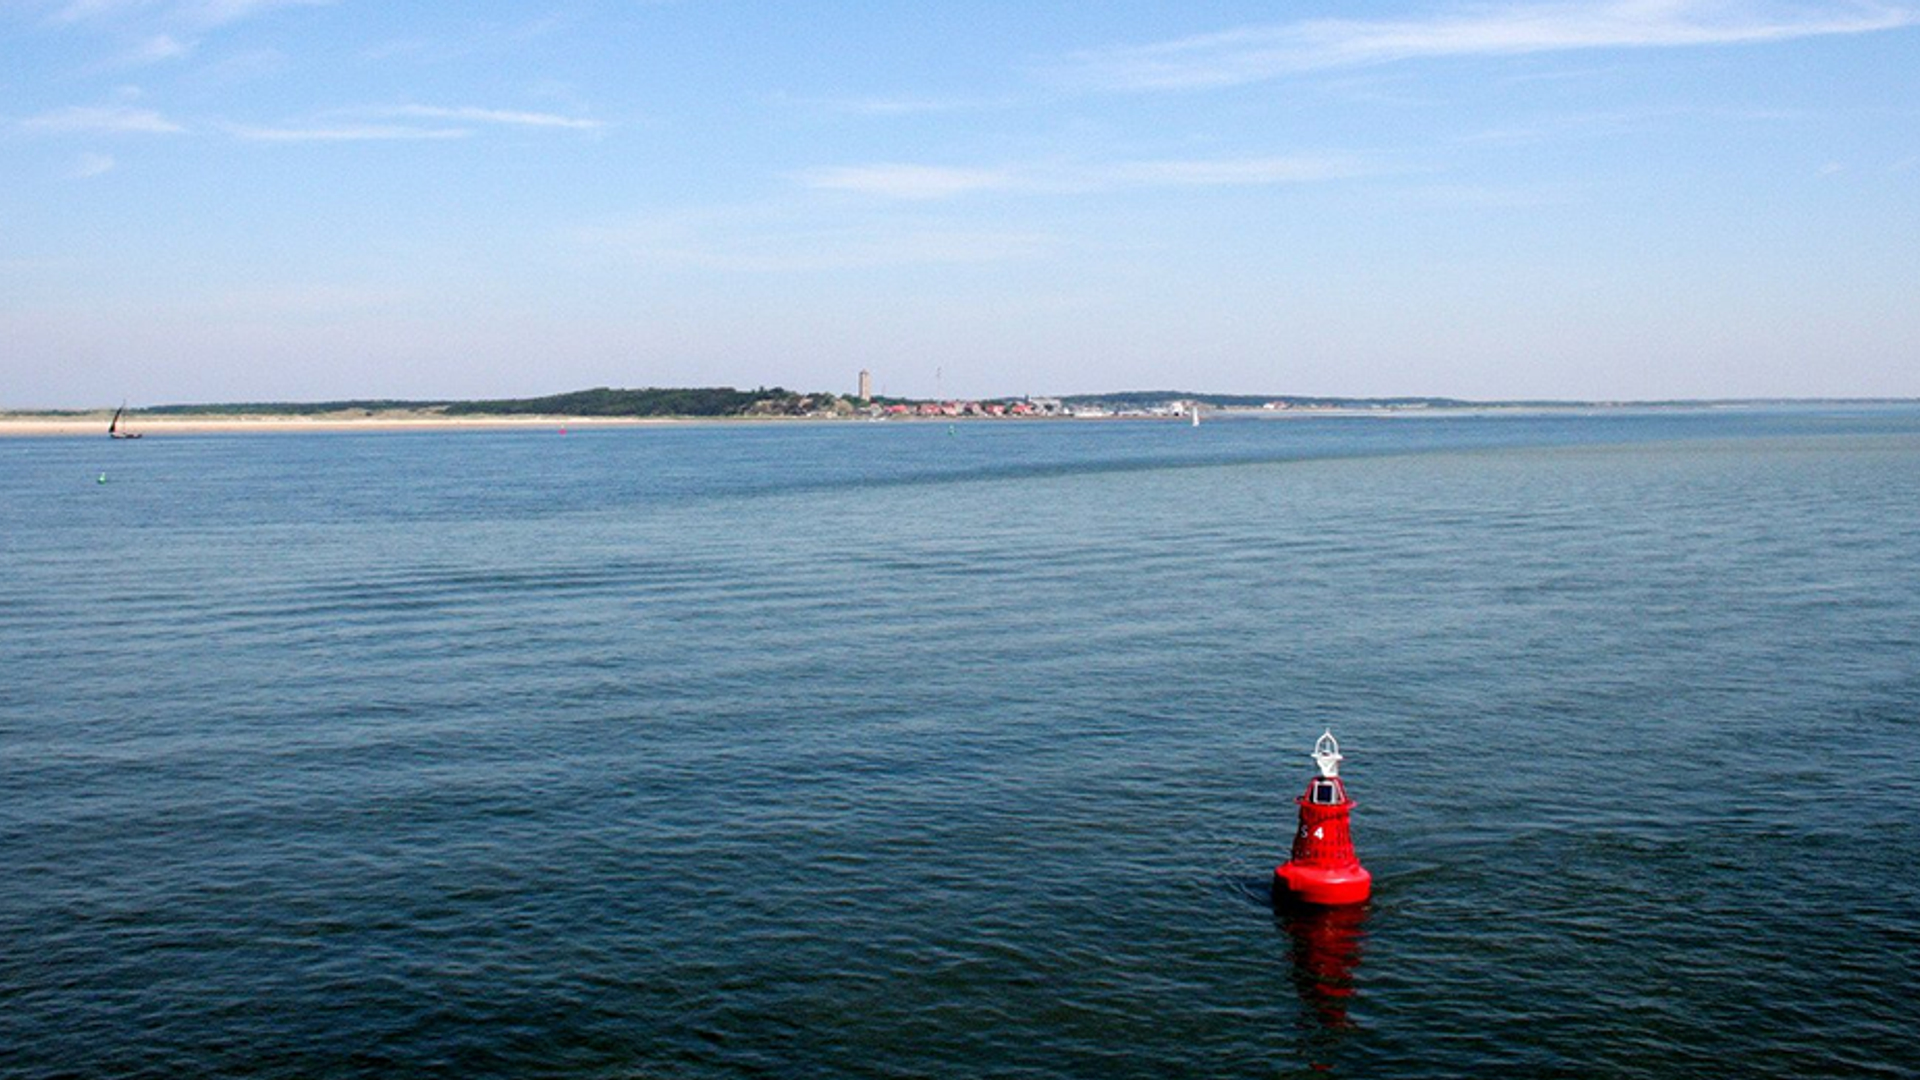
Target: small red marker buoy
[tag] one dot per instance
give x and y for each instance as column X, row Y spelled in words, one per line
column 1324, row 869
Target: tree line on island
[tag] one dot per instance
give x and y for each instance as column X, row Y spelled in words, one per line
column 709, row 401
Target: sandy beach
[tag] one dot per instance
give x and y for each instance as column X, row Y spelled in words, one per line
column 160, row 426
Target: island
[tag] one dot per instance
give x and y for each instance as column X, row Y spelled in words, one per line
column 608, row 406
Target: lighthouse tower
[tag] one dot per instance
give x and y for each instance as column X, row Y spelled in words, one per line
column 1324, row 869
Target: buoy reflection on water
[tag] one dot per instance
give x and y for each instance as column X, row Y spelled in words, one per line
column 1326, row 948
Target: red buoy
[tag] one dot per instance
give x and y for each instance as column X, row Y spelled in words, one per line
column 1324, row 869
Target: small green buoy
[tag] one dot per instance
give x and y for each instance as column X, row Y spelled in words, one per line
column 102, row 480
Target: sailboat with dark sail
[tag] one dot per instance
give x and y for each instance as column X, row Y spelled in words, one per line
column 116, row 429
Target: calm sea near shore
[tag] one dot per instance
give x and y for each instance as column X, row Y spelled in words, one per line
column 883, row 750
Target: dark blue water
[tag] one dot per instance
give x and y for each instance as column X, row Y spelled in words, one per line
column 879, row 750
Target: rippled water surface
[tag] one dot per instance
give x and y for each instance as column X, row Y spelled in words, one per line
column 895, row 750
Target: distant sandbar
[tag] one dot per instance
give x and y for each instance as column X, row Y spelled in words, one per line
column 203, row 424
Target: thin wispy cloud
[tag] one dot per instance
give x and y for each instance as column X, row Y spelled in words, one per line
column 485, row 38
column 895, row 106
column 158, row 48
column 903, row 106
column 157, row 31
column 506, row 117
column 907, row 181
column 372, row 124
column 344, row 133
column 1256, row 53
column 220, row 12
column 927, row 183
column 116, row 119
column 83, row 10
column 1231, row 173
column 201, row 14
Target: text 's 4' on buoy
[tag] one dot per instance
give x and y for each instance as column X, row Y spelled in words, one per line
column 1324, row 869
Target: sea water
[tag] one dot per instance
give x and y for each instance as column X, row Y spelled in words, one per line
column 888, row 750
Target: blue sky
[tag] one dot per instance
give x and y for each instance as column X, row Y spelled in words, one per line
column 220, row 200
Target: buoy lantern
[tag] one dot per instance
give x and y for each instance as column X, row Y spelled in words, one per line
column 1324, row 869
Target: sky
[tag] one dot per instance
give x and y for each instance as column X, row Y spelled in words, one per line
column 297, row 200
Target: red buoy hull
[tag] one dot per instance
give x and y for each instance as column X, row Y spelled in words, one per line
column 1330, row 886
